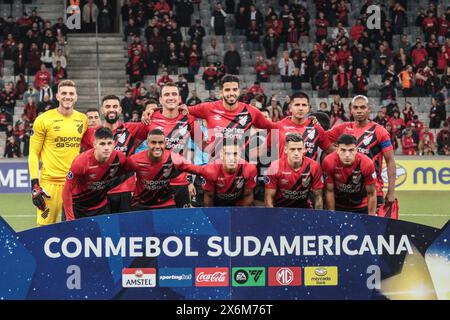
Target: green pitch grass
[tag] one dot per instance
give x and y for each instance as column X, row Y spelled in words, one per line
column 424, row 207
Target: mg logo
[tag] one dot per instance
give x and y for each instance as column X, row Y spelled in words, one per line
column 285, row 276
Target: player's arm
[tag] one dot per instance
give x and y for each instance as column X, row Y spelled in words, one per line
column 318, row 200
column 391, row 172
column 269, row 196
column 371, row 199
column 247, row 200
column 329, row 196
column 36, row 143
column 324, row 142
column 67, row 200
column 260, row 121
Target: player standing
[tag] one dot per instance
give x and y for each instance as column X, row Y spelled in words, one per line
column 55, row 140
column 373, row 141
column 91, row 176
column 292, row 178
column 127, row 136
column 350, row 179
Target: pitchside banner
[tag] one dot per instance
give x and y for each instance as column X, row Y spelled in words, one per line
column 226, row 253
column 14, row 177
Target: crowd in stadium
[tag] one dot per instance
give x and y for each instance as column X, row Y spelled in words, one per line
column 166, row 42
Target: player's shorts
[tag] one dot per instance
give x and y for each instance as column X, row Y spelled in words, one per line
column 139, row 207
column 380, row 201
column 181, row 196
column 54, row 204
column 259, row 191
column 119, row 202
column 91, row 213
column 364, row 210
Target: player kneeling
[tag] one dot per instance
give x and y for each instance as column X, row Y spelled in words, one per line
column 350, row 178
column 291, row 179
column 92, row 174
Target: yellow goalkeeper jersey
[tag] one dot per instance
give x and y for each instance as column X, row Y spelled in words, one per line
column 56, row 141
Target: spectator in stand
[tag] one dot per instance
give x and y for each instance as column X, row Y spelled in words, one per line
column 59, row 57
column 408, row 112
column 34, row 59
column 20, row 59
column 293, row 34
column 388, row 94
column 262, row 69
column 212, row 97
column 397, row 123
column 253, row 34
column 296, row 80
column 443, row 59
column 394, row 139
column 46, row 55
column 357, row 30
column 430, row 25
column 381, row 118
column 443, row 28
column 41, row 77
column 183, row 11
column 435, row 115
column 8, row 44
column 324, row 82
column 256, row 89
column 136, row 67
column 171, row 60
column 322, row 25
column 213, row 54
column 360, row 83
column 275, row 109
column 406, row 78
column 105, row 17
column 12, row 148
column 8, row 97
column 183, row 86
column 323, row 107
column 286, row 67
column 342, row 80
column 30, row 110
column 443, row 140
column 210, row 77
column 337, row 116
column 426, row 132
column 240, row 20
column 62, row 45
column 417, row 127
column 271, row 43
column 193, row 100
column 418, row 54
column 426, row 146
column 232, row 60
column 45, row 90
column 21, row 86
column 131, row 30
column 400, row 19
column 5, row 118
column 164, row 79
column 218, row 20
column 197, row 32
column 45, row 105
column 89, row 16
column 153, row 59
column 60, row 28
column 59, row 73
column 408, row 144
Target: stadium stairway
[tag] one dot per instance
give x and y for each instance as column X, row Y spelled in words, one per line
column 82, row 67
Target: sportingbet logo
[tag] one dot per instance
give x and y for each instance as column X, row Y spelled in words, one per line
column 211, row 277
column 138, row 277
column 175, row 277
column 285, row 276
column 249, row 277
column 321, row 276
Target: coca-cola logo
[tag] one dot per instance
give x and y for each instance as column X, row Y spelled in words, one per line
column 211, row 277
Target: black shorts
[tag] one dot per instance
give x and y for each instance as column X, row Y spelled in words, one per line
column 259, row 191
column 380, row 201
column 139, row 207
column 364, row 210
column 197, row 200
column 181, row 196
column 119, row 202
column 80, row 213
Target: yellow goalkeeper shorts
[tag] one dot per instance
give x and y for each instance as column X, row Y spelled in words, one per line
column 54, row 205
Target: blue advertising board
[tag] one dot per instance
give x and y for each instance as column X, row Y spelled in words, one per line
column 14, row 177
column 226, row 253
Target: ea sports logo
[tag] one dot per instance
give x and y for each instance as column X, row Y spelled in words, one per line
column 241, row 276
column 284, row 276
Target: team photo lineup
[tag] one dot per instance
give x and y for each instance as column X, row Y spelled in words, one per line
column 246, row 159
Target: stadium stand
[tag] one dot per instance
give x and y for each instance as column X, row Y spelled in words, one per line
column 142, row 50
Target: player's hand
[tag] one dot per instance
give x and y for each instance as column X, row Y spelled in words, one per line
column 38, row 195
column 192, row 190
column 147, row 114
column 314, row 120
column 390, row 198
column 183, row 109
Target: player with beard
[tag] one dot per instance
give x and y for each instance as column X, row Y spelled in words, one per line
column 227, row 118
column 291, row 179
column 154, row 169
column 127, row 136
column 91, row 175
column 350, row 179
column 177, row 128
column 229, row 181
column 313, row 135
column 373, row 141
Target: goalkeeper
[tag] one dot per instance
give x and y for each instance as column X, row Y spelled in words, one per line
column 55, row 141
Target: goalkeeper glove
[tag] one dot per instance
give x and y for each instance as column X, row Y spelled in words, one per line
column 38, row 195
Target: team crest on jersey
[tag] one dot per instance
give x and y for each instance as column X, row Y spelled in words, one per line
column 167, row 171
column 243, row 120
column 356, row 177
column 239, row 182
column 70, row 175
column 266, row 180
column 306, row 181
column 368, row 139
column 113, row 171
column 311, row 134
column 183, row 131
column 122, row 138
column 80, row 128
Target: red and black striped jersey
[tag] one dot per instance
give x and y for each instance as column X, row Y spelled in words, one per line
column 373, row 141
column 294, row 186
column 228, row 187
column 177, row 131
column 127, row 136
column 349, row 182
column 152, row 180
column 92, row 180
column 313, row 135
column 225, row 124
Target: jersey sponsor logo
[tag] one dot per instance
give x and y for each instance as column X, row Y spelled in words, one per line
column 249, row 277
column 266, row 179
column 295, row 194
column 138, row 278
column 211, row 277
column 321, row 276
column 67, row 142
column 285, row 276
column 356, row 177
column 175, row 277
